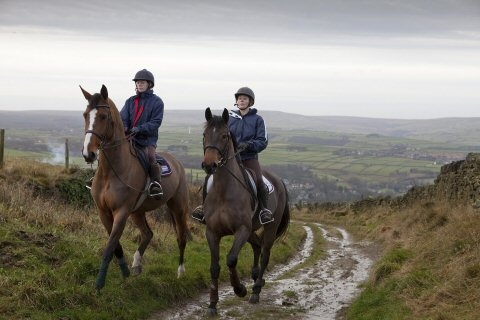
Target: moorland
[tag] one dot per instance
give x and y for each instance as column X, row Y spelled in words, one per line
column 320, row 158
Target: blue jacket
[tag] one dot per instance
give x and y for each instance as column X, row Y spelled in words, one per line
column 149, row 120
column 250, row 129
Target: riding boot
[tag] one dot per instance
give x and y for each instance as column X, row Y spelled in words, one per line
column 265, row 215
column 197, row 213
column 155, row 189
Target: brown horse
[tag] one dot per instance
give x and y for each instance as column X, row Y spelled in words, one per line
column 119, row 186
column 229, row 209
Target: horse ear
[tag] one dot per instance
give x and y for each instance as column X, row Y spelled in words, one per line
column 86, row 94
column 225, row 115
column 104, row 92
column 208, row 114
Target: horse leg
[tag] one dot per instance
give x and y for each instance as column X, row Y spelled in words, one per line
column 121, row 261
column 214, row 245
column 114, row 224
column 260, row 282
column 146, row 234
column 240, row 238
column 179, row 212
column 255, row 242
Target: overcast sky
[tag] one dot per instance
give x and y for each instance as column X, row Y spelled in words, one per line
column 372, row 58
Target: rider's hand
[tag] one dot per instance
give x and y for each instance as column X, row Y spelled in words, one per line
column 242, row 146
column 134, row 130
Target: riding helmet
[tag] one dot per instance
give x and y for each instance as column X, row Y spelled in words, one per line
column 246, row 91
column 144, row 74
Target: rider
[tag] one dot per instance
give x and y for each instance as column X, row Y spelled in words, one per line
column 250, row 132
column 142, row 115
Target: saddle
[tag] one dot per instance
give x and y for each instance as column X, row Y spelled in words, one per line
column 142, row 156
column 249, row 178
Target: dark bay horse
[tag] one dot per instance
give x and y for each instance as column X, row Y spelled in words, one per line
column 229, row 209
column 119, row 186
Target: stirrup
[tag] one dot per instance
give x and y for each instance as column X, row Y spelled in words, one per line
column 262, row 216
column 198, row 215
column 154, row 185
column 89, row 183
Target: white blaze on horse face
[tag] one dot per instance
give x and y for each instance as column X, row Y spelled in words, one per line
column 88, row 136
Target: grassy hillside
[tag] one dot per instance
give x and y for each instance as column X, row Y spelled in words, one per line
column 429, row 266
column 430, row 263
column 51, row 242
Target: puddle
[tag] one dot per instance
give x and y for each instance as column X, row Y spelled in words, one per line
column 320, row 291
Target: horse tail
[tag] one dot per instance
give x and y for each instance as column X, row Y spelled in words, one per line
column 285, row 222
column 170, row 217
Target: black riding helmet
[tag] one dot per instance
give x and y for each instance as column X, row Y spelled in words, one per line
column 146, row 75
column 246, row 91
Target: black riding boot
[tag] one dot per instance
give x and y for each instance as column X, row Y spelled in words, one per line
column 155, row 189
column 265, row 215
column 197, row 213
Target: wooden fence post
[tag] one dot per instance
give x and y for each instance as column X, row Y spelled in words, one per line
column 67, row 156
column 2, row 146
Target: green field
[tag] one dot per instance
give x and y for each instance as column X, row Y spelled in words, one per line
column 347, row 165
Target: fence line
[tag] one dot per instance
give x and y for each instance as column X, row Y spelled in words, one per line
column 193, row 176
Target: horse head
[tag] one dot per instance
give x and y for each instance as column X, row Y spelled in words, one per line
column 216, row 141
column 99, row 123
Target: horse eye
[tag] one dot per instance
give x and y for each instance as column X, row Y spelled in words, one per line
column 103, row 116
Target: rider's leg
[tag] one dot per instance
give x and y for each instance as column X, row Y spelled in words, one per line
column 265, row 214
column 155, row 188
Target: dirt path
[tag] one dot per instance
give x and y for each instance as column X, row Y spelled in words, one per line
column 321, row 290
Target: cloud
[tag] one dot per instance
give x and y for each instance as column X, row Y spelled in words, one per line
column 363, row 58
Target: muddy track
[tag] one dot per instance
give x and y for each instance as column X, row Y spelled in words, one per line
column 318, row 290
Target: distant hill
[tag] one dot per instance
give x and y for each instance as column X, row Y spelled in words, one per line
column 462, row 131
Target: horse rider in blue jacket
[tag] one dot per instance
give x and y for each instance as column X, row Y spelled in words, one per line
column 142, row 116
column 250, row 132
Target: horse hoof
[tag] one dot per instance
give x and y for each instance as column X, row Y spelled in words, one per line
column 181, row 271
column 212, row 312
column 137, row 270
column 99, row 285
column 125, row 270
column 241, row 291
column 254, row 298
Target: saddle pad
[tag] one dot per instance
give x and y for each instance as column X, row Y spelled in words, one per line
column 265, row 180
column 268, row 184
column 166, row 169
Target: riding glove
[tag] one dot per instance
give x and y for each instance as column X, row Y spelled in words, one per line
column 242, row 146
column 134, row 130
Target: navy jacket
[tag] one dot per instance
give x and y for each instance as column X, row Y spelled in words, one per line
column 250, row 129
column 149, row 120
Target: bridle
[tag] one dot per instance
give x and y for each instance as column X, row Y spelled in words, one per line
column 223, row 153
column 224, row 159
column 104, row 143
column 107, row 144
